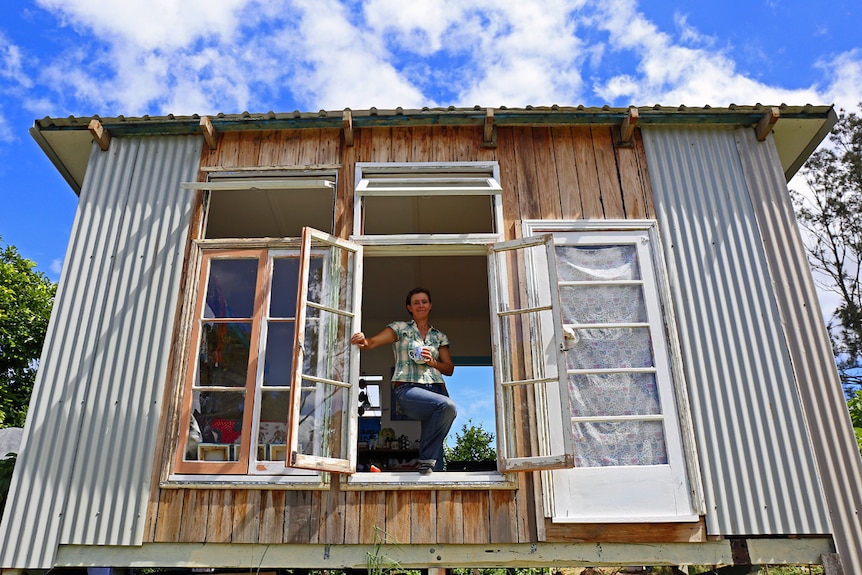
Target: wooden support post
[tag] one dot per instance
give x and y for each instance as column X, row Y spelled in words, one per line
column 489, row 132
column 100, row 134
column 347, row 118
column 831, row 564
column 764, row 126
column 627, row 128
column 209, row 132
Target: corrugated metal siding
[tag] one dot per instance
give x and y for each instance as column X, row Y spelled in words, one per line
column 84, row 470
column 820, row 388
column 758, row 471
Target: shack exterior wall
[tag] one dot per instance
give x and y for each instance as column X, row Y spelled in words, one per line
column 758, row 472
column 106, row 359
column 84, row 469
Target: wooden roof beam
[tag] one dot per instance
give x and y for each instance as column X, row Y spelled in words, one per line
column 627, row 128
column 764, row 126
column 489, row 130
column 209, row 132
column 347, row 122
column 100, row 134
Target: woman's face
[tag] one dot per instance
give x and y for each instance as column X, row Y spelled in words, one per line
column 420, row 305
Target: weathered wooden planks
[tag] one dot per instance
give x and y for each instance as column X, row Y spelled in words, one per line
column 568, row 172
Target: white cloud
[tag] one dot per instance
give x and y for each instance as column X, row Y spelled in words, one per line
column 335, row 64
column 844, row 73
column 173, row 56
column 672, row 74
column 56, row 267
column 155, row 24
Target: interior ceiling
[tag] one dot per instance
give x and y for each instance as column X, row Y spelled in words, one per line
column 458, row 285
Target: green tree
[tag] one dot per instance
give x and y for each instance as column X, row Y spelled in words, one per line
column 473, row 443
column 830, row 214
column 26, row 297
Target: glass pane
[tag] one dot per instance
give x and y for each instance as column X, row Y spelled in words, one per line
column 223, row 354
column 231, row 287
column 315, row 284
column 278, row 362
column 322, row 419
column 285, row 276
column 597, row 263
column 272, row 435
column 215, row 426
column 603, row 304
column 426, row 214
column 607, row 348
column 327, row 347
column 612, row 394
column 532, row 440
column 619, row 443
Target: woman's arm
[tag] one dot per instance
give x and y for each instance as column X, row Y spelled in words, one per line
column 444, row 365
column 386, row 336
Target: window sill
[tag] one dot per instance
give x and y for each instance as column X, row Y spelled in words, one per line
column 311, row 481
column 440, row 480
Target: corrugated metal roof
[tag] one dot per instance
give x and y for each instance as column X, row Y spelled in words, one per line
column 85, row 465
column 758, row 472
column 798, row 131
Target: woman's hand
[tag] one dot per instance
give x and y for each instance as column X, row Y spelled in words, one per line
column 386, row 336
column 444, row 365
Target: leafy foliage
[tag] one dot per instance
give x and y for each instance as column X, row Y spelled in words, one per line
column 473, row 443
column 831, row 216
column 855, row 408
column 26, row 297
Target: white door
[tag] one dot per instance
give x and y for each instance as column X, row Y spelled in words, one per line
column 629, row 457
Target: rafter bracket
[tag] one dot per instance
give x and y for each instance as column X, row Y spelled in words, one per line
column 100, row 134
column 209, row 132
column 347, row 119
column 764, row 126
column 627, row 128
column 489, row 131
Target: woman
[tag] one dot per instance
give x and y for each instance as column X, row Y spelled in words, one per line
column 421, row 360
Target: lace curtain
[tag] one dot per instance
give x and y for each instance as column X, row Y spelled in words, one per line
column 604, row 310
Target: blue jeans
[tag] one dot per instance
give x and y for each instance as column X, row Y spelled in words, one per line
column 430, row 404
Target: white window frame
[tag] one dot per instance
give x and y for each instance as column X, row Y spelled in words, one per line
column 539, row 315
column 436, row 179
column 345, row 461
column 568, row 494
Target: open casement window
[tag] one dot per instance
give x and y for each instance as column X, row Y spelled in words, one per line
column 274, row 204
column 324, row 390
column 529, row 365
column 630, row 462
column 455, row 200
column 240, row 415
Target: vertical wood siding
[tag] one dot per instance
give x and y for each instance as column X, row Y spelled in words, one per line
column 559, row 172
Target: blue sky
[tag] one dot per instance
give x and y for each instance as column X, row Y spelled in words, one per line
column 135, row 57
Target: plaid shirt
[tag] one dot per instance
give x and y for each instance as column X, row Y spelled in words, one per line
column 409, row 337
